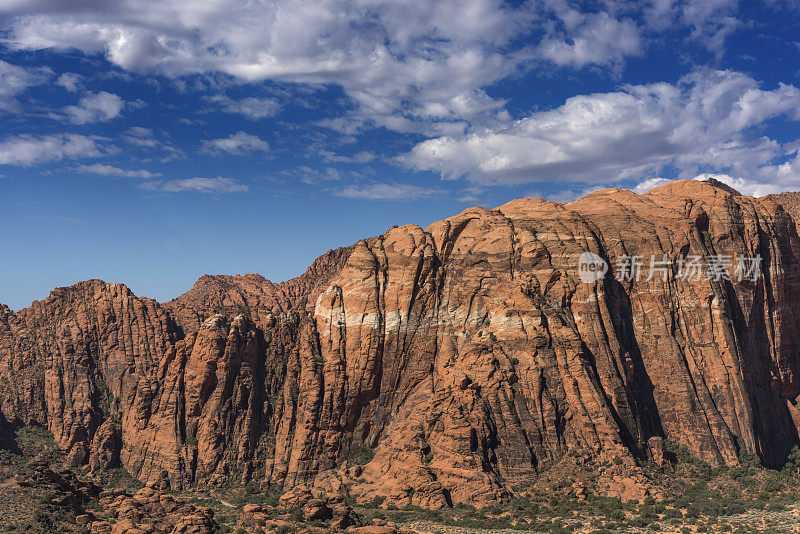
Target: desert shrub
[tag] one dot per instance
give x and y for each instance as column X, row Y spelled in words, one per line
column 748, row 460
column 648, row 516
column 792, row 465
column 375, row 502
column 772, row 485
column 616, row 515
column 678, row 451
column 296, row 514
column 776, row 507
column 362, row 455
column 45, row 519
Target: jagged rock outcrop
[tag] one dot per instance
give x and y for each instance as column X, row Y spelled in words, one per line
column 451, row 360
column 255, row 295
column 790, row 202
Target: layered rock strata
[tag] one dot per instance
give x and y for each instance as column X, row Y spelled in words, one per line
column 451, row 361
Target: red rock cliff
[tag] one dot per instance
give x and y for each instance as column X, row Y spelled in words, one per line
column 463, row 355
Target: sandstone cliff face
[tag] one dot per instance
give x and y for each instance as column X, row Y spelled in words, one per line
column 464, row 355
column 789, row 201
column 254, row 295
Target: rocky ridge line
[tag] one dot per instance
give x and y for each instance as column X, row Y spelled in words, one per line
column 451, row 361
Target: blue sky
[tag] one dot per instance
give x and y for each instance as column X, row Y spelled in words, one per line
column 152, row 141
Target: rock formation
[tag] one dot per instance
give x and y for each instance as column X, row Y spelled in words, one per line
column 254, row 295
column 115, row 511
column 451, row 361
column 789, row 201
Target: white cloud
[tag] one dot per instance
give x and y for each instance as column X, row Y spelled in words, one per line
column 141, row 137
column 14, row 80
column 198, row 185
column 237, row 144
column 144, row 138
column 706, row 120
column 310, row 176
column 139, row 131
column 710, row 22
column 569, row 195
column 361, row 157
column 393, row 192
column 744, row 186
column 29, row 149
column 589, row 38
column 646, row 185
column 251, row 107
column 95, row 107
column 108, row 170
column 70, row 81
column 416, row 66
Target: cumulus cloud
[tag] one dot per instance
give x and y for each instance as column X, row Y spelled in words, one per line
column 95, row 107
column 70, row 81
column 710, row 21
column 416, row 66
column 646, row 185
column 252, row 108
column 383, row 191
column 709, row 119
column 14, row 80
column 743, row 185
column 237, row 144
column 571, row 194
column 29, row 149
column 109, row 170
column 197, row 185
column 589, row 38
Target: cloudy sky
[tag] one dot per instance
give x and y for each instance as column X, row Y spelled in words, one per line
column 152, row 141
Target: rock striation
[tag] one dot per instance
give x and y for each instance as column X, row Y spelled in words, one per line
column 440, row 365
column 790, row 202
column 254, row 295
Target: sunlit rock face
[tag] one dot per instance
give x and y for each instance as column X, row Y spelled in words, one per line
column 456, row 358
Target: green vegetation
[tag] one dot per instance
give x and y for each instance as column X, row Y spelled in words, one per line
column 361, row 456
column 118, row 477
column 694, row 497
column 254, row 494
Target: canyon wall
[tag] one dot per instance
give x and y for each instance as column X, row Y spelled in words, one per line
column 453, row 361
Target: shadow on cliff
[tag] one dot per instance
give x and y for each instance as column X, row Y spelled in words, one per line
column 8, row 436
column 775, row 432
column 643, row 420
